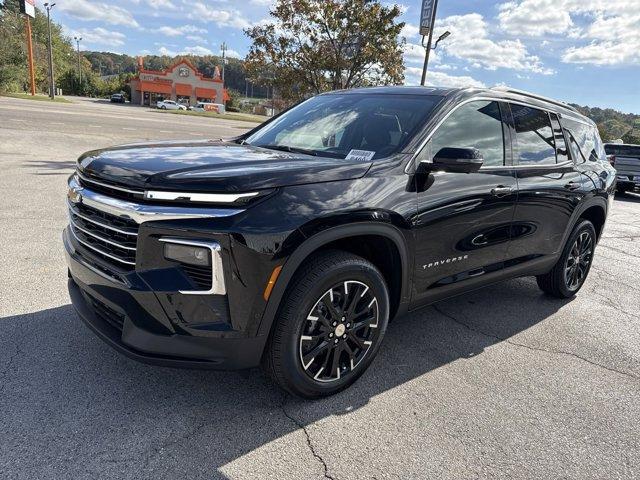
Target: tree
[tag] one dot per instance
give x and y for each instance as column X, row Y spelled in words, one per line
column 318, row 45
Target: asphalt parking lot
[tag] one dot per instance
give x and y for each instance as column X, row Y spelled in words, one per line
column 501, row 383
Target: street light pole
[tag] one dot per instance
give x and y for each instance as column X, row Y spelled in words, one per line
column 223, row 47
column 77, row 39
column 429, row 48
column 52, row 85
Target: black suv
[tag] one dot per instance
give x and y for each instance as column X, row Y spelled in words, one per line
column 293, row 245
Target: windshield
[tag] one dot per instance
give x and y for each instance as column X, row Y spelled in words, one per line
column 334, row 125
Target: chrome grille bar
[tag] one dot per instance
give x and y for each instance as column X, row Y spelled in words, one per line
column 101, row 252
column 75, row 212
column 102, row 239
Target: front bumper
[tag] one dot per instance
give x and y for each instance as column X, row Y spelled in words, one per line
column 133, row 320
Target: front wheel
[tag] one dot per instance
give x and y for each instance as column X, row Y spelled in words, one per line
column 570, row 272
column 330, row 325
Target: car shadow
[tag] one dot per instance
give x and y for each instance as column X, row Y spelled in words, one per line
column 44, row 167
column 70, row 397
column 628, row 197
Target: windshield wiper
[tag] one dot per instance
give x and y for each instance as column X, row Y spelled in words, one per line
column 287, row 148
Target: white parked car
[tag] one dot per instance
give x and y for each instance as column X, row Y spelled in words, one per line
column 208, row 107
column 170, row 105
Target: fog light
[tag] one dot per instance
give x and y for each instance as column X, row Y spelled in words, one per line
column 187, row 254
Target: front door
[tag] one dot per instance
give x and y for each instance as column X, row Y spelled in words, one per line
column 463, row 222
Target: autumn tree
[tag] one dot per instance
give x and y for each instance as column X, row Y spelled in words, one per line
column 313, row 46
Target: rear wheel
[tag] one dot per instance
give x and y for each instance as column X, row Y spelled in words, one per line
column 330, row 325
column 570, row 272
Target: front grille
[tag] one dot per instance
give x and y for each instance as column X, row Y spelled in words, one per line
column 106, row 236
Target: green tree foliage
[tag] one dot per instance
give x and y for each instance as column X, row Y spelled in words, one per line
column 318, row 45
column 14, row 70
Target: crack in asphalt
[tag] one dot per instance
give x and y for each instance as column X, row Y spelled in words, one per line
column 618, row 250
column 173, row 441
column 308, row 437
column 537, row 349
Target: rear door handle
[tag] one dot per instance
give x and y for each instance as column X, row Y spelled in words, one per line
column 572, row 186
column 501, row 191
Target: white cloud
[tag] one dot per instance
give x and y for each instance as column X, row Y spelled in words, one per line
column 179, row 31
column 263, row 3
column 195, row 50
column 233, row 54
column 222, row 18
column 469, row 41
column 168, row 4
column 609, row 29
column 99, row 36
column 410, row 31
column 533, row 18
column 440, row 79
column 85, row 10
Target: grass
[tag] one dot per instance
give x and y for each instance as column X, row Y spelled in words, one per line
column 243, row 117
column 39, row 98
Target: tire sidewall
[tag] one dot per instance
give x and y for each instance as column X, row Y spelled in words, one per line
column 292, row 368
column 580, row 228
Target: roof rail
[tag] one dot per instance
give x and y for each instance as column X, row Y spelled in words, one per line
column 536, row 96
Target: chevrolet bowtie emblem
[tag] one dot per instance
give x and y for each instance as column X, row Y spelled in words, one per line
column 74, row 195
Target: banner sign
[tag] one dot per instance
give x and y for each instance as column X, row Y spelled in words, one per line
column 28, row 7
column 426, row 17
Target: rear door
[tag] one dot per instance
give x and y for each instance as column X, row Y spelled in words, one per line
column 550, row 185
column 463, row 220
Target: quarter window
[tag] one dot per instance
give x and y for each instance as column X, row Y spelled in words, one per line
column 534, row 136
column 561, row 145
column 473, row 125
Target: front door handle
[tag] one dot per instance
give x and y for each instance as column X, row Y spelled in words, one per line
column 501, row 191
column 572, row 186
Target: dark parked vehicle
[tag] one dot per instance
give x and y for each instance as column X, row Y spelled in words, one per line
column 294, row 245
column 118, row 98
column 626, row 160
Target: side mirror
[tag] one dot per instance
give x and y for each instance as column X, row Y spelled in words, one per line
column 459, row 160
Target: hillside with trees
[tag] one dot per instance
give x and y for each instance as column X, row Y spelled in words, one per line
column 614, row 125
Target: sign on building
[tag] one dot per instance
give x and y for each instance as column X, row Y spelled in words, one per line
column 426, row 17
column 28, row 7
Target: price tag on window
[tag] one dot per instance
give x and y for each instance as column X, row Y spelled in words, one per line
column 360, row 155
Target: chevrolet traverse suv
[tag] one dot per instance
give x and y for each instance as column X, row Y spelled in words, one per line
column 293, row 245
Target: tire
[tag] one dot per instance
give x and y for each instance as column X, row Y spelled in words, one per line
column 295, row 357
column 163, row 107
column 570, row 272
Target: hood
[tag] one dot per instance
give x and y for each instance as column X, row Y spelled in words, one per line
column 213, row 166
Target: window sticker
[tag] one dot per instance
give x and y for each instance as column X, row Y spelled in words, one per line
column 360, row 155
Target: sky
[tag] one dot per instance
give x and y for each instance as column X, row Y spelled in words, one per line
column 580, row 51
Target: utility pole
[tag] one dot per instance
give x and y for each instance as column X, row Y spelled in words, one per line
column 77, row 39
column 52, row 85
column 32, row 75
column 223, row 47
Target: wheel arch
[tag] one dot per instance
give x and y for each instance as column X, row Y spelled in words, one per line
column 346, row 238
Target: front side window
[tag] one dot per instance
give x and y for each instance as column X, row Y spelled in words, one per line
column 474, row 125
column 334, row 124
column 534, row 136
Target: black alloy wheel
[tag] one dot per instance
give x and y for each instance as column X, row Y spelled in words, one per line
column 578, row 261
column 569, row 273
column 330, row 324
column 339, row 331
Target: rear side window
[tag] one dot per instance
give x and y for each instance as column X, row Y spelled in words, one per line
column 586, row 139
column 534, row 136
column 561, row 145
column 474, row 125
